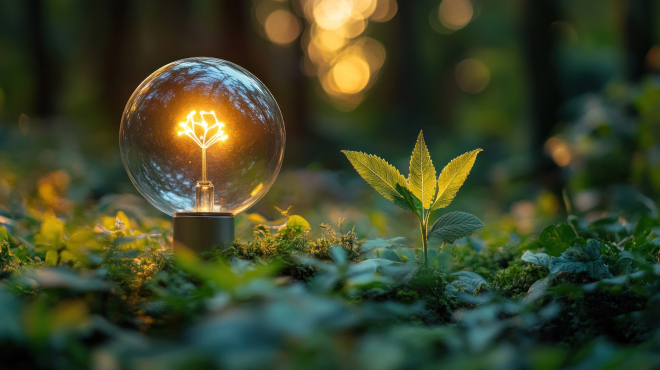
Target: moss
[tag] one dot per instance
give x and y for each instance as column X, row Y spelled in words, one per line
column 515, row 280
column 586, row 315
column 268, row 247
column 488, row 262
column 406, row 296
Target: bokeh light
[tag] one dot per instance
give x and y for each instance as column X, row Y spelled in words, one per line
column 455, row 14
column 282, row 27
column 523, row 213
column 345, row 61
column 472, row 75
column 332, row 14
column 337, row 52
column 559, row 151
column 652, row 59
column 351, row 74
column 385, row 10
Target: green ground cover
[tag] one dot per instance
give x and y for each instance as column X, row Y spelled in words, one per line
column 100, row 288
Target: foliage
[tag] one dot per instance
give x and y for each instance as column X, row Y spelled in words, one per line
column 421, row 193
column 95, row 284
column 556, row 239
column 454, row 225
column 115, row 295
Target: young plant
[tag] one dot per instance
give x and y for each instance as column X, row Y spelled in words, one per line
column 421, row 193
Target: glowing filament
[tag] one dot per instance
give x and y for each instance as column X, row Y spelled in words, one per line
column 204, row 140
column 208, row 138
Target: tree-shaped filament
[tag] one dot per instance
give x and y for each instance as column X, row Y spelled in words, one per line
column 205, row 136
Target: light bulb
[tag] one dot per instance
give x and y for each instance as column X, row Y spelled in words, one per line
column 202, row 135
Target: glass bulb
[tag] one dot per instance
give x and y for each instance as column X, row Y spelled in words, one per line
column 202, row 135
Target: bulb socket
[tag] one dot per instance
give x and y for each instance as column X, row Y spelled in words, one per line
column 199, row 231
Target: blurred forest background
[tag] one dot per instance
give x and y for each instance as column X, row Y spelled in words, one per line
column 561, row 95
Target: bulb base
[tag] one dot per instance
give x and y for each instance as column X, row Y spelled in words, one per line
column 204, row 197
column 199, row 231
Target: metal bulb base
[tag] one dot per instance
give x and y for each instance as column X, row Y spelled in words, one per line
column 199, row 231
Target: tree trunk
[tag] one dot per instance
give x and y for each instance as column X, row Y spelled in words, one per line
column 44, row 67
column 638, row 37
column 539, row 44
column 112, row 57
column 410, row 84
column 236, row 44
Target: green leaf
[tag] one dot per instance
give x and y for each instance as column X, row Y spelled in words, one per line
column 298, row 224
column 452, row 178
column 556, row 239
column 381, row 243
column 408, row 201
column 454, row 225
column 391, row 255
column 122, row 222
column 66, row 256
column 61, row 278
column 4, row 235
column 578, row 259
column 79, row 239
column 643, row 228
column 540, row 259
column 623, row 264
column 421, row 180
column 51, row 257
column 469, row 281
column 538, row 289
column 261, row 220
column 378, row 173
column 52, row 230
column 401, row 273
column 338, row 254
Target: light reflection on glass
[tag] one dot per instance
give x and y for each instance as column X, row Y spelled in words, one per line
column 165, row 168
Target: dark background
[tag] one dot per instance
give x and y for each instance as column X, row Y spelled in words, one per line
column 561, row 95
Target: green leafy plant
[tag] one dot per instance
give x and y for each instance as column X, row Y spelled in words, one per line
column 422, row 193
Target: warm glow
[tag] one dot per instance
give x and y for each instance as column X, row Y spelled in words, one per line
column 372, row 50
column 523, row 214
column 345, row 62
column 472, row 75
column 329, row 41
column 653, row 58
column 332, row 14
column 351, row 74
column 255, row 191
column 354, row 28
column 455, row 14
column 282, row 27
column 200, row 132
column 385, row 10
column 559, row 151
column 364, row 8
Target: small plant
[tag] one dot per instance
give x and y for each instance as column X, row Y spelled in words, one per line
column 421, row 193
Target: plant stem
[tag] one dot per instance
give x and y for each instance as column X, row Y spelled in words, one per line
column 423, row 223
